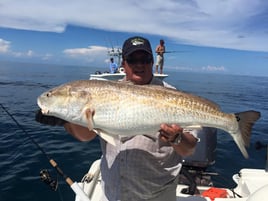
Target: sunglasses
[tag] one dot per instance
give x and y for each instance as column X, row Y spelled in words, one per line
column 143, row 60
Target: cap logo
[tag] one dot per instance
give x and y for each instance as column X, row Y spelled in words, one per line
column 137, row 41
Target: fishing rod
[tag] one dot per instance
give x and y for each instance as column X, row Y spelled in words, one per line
column 175, row 51
column 74, row 185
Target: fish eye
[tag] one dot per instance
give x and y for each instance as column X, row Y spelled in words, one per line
column 49, row 94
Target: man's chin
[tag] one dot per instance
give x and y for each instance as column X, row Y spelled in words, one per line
column 140, row 79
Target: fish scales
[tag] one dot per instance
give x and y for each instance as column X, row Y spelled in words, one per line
column 120, row 108
column 143, row 102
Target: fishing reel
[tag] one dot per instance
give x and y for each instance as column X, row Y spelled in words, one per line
column 46, row 178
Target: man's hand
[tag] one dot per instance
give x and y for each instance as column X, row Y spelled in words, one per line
column 48, row 120
column 168, row 133
column 185, row 146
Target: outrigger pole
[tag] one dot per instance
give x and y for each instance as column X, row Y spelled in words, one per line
column 74, row 185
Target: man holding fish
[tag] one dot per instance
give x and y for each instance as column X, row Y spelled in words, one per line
column 136, row 120
column 142, row 167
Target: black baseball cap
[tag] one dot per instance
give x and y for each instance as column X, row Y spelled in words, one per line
column 136, row 43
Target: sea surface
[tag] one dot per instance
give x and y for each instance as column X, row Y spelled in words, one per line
column 21, row 161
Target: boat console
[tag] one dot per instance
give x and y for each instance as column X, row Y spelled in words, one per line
column 193, row 169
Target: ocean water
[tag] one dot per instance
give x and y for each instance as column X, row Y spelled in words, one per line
column 21, row 161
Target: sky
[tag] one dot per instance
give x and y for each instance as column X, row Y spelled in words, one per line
column 213, row 36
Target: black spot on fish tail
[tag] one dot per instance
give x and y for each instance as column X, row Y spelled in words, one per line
column 237, row 118
column 246, row 121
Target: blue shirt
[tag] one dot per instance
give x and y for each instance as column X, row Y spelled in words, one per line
column 113, row 67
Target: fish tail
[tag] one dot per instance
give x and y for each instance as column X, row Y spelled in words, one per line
column 245, row 122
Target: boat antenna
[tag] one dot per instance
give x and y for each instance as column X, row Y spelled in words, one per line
column 74, row 185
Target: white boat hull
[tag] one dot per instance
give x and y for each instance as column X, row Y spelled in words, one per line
column 118, row 76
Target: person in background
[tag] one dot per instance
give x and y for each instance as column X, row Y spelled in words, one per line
column 113, row 66
column 142, row 167
column 160, row 50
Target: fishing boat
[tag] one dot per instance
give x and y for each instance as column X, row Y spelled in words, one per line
column 195, row 183
column 117, row 76
column 120, row 74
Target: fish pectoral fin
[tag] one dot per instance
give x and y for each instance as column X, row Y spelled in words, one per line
column 108, row 138
column 89, row 116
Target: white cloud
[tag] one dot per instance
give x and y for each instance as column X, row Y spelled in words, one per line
column 214, row 69
column 237, row 24
column 89, row 51
column 208, row 69
column 28, row 54
column 47, row 57
column 91, row 54
column 183, row 68
column 4, row 46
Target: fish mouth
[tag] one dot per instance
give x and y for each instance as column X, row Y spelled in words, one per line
column 45, row 111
